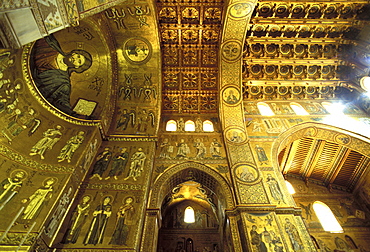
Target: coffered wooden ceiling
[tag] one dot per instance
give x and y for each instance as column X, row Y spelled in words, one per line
column 324, row 163
column 300, row 49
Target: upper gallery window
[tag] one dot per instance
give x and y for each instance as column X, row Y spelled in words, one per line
column 290, row 187
column 189, row 216
column 333, row 108
column 208, row 126
column 365, row 83
column 189, row 125
column 171, row 125
column 326, row 217
column 298, row 109
column 265, row 109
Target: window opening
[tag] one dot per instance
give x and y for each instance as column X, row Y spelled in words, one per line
column 189, row 125
column 171, row 125
column 290, row 187
column 265, row 109
column 298, row 109
column 208, row 126
column 326, row 217
column 189, row 216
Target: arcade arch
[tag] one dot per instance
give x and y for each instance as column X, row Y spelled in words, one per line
column 200, row 187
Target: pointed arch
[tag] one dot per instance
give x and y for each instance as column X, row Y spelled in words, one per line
column 298, row 109
column 265, row 109
column 173, row 176
column 326, row 217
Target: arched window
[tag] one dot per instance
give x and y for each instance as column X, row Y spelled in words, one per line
column 298, row 109
column 326, row 217
column 171, row 125
column 333, row 108
column 365, row 83
column 315, row 242
column 208, row 126
column 189, row 216
column 350, row 241
column 189, row 125
column 265, row 109
column 290, row 187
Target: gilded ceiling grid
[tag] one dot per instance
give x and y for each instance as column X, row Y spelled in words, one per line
column 189, row 36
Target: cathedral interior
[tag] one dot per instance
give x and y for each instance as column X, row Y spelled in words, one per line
column 183, row 126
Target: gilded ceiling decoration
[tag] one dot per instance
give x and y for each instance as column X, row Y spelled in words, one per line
column 189, row 34
column 310, row 49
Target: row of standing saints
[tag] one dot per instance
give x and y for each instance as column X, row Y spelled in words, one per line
column 33, row 205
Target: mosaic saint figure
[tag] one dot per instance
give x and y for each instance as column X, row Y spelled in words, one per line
column 77, row 221
column 119, row 164
column 215, row 148
column 181, row 125
column 137, row 164
column 36, row 201
column 20, row 121
column 124, row 120
column 246, row 175
column 235, row 137
column 182, row 149
column 58, row 214
column 231, row 98
column 101, row 164
column 9, row 187
column 274, row 188
column 99, row 222
column 52, row 68
column 125, row 216
column 50, row 137
column 261, row 155
column 293, row 235
column 256, row 240
column 165, row 148
column 144, row 120
column 72, row 145
column 201, row 149
column 89, row 155
column 198, row 125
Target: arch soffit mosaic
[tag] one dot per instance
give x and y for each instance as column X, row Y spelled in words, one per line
column 157, row 190
column 320, row 131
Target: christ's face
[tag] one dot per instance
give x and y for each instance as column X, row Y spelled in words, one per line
column 75, row 60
